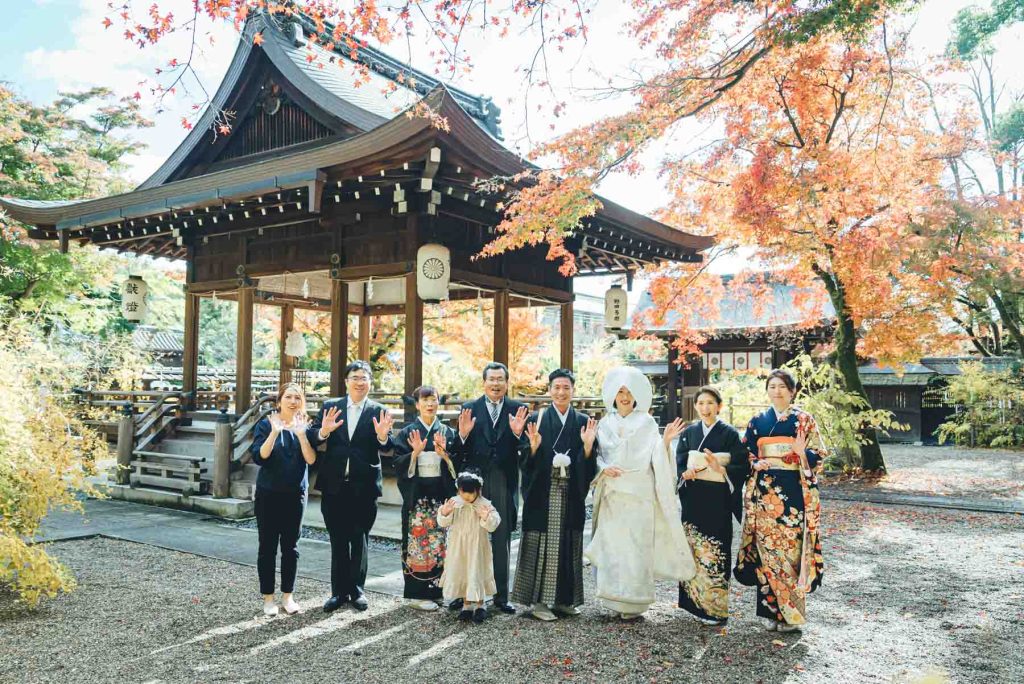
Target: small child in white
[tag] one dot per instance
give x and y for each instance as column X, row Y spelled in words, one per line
column 469, row 565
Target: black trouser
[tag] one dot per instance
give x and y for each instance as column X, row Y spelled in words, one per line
column 349, row 515
column 279, row 521
column 496, row 491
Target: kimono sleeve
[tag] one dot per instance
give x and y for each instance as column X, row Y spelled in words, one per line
column 402, row 454
column 491, row 522
column 445, row 520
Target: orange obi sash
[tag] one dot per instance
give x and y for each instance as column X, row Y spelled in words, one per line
column 778, row 451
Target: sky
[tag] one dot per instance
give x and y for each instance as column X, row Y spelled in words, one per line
column 58, row 45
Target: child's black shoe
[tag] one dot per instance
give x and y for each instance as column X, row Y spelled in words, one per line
column 479, row 615
column 466, row 615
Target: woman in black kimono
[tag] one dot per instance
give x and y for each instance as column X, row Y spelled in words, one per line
column 712, row 464
column 426, row 479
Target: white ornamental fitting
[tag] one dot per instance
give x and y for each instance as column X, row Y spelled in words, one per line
column 615, row 307
column 133, row 298
column 433, row 272
column 295, row 344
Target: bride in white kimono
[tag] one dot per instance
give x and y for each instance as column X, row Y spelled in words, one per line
column 637, row 532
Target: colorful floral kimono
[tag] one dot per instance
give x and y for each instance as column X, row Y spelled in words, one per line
column 780, row 550
column 424, row 486
column 708, row 505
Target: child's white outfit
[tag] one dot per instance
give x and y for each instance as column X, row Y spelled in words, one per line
column 469, row 565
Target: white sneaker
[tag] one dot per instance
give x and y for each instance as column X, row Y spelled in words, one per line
column 770, row 625
column 426, row 606
column 291, row 607
column 542, row 612
column 269, row 608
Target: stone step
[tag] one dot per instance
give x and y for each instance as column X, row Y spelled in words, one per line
column 170, row 457
column 242, row 490
column 186, row 447
column 197, row 429
column 248, row 473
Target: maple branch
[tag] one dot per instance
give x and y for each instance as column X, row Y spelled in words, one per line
column 840, row 103
column 892, row 81
column 789, row 114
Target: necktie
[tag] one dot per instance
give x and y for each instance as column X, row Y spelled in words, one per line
column 493, row 408
column 354, row 412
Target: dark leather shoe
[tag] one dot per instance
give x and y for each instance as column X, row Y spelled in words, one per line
column 479, row 615
column 466, row 615
column 505, row 607
column 455, row 605
column 359, row 601
column 334, row 603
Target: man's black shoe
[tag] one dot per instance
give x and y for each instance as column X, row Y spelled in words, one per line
column 466, row 615
column 505, row 607
column 334, row 603
column 479, row 615
column 455, row 605
column 360, row 602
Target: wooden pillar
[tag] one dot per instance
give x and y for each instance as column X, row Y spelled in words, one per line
column 190, row 356
column 501, row 322
column 413, row 341
column 339, row 336
column 672, row 407
column 364, row 336
column 125, row 445
column 565, row 334
column 285, row 364
column 223, row 432
column 243, row 353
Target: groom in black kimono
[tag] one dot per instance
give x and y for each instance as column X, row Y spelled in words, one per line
column 356, row 429
column 490, row 435
column 558, row 464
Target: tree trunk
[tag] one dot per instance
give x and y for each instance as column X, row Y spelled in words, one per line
column 846, row 363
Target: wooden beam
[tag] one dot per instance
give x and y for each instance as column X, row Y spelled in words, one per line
column 315, row 192
column 672, row 406
column 565, row 335
column 496, row 283
column 413, row 341
column 243, row 353
column 501, row 323
column 364, row 336
column 285, row 364
column 190, row 356
column 388, row 270
column 339, row 336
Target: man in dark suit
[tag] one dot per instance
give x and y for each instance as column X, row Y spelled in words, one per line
column 355, row 429
column 490, row 434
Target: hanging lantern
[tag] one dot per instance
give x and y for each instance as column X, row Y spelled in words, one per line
column 133, row 298
column 295, row 344
column 433, row 272
column 615, row 305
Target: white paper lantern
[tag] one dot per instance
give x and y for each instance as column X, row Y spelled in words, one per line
column 615, row 307
column 433, row 272
column 133, row 298
column 295, row 344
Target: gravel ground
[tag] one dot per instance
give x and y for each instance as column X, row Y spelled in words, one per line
column 949, row 471
column 907, row 591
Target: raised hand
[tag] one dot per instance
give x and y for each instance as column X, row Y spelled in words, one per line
column 299, row 424
column 276, row 424
column 713, row 464
column 332, row 421
column 466, row 423
column 441, row 445
column 417, row 443
column 673, row 430
column 384, row 425
column 518, row 421
column 533, row 433
column 588, row 434
column 448, row 506
column 483, row 511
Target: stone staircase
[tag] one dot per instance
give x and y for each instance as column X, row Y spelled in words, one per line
column 182, row 460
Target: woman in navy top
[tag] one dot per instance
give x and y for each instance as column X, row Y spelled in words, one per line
column 780, row 551
column 284, row 454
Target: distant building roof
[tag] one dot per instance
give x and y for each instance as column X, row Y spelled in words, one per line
column 148, row 338
column 739, row 315
column 950, row 365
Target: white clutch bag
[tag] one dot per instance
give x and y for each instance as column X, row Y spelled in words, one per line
column 698, row 460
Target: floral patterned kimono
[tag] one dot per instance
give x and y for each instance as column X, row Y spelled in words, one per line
column 424, row 486
column 780, row 550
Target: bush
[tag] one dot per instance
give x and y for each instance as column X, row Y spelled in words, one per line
column 989, row 407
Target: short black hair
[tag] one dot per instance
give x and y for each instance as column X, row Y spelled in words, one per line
column 561, row 373
column 468, row 483
column 496, row 365
column 785, row 376
column 711, row 391
column 424, row 391
column 358, row 366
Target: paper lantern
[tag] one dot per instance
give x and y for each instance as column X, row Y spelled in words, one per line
column 615, row 306
column 295, row 344
column 433, row 272
column 133, row 298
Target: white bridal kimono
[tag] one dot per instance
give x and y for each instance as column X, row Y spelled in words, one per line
column 637, row 532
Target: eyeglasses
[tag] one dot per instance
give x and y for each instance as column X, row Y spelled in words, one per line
column 358, row 378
